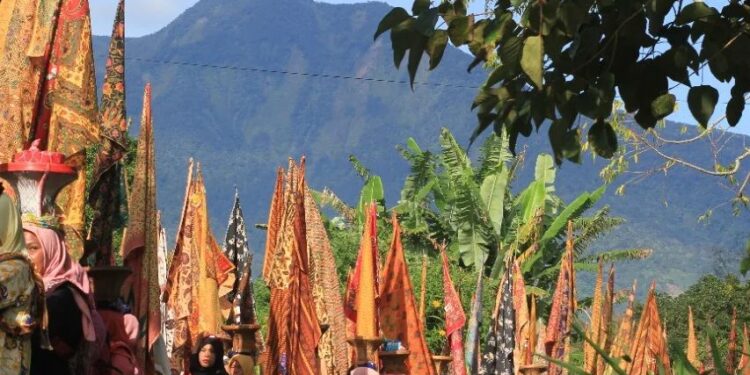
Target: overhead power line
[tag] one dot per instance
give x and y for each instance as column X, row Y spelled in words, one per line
column 313, row 75
column 302, row 74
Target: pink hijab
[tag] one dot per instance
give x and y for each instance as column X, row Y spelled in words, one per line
column 59, row 268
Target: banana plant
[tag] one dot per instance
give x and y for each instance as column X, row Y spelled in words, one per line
column 473, row 207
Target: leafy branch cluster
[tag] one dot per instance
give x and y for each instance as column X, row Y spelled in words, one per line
column 553, row 61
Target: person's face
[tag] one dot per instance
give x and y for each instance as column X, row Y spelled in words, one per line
column 206, row 356
column 235, row 368
column 35, row 250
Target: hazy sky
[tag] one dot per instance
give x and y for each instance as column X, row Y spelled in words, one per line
column 148, row 16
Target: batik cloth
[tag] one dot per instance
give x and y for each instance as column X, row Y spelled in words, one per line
column 21, row 297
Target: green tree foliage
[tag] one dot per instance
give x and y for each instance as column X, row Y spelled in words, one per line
column 712, row 300
column 555, row 60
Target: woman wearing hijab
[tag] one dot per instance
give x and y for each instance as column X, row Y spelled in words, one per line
column 209, row 358
column 21, row 293
column 72, row 325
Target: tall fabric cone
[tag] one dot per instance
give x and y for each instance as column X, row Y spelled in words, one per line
column 140, row 245
column 744, row 364
column 294, row 331
column 589, row 353
column 455, row 318
column 243, row 304
column 27, row 29
column 104, row 196
column 275, row 213
column 563, row 308
column 423, row 288
column 472, row 334
column 731, row 361
column 364, row 286
column 166, row 314
column 67, row 118
column 692, row 341
column 199, row 276
column 235, row 242
column 531, row 335
column 623, row 338
column 649, row 342
column 605, row 338
column 399, row 316
column 498, row 357
column 329, row 305
column 523, row 319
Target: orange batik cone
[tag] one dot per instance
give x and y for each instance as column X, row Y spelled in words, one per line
column 399, row 316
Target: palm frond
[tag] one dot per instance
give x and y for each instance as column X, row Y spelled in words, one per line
column 619, row 255
column 327, row 198
column 590, row 228
column 361, row 170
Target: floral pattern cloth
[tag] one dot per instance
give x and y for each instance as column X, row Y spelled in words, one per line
column 17, row 312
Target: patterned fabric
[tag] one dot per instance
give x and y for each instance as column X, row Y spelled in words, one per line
column 605, row 339
column 112, row 115
column 589, row 353
column 235, row 240
column 200, row 274
column 649, row 343
column 525, row 333
column 329, row 306
column 275, row 213
column 26, row 32
column 472, row 351
column 400, row 318
column 744, row 364
column 140, row 249
column 21, row 294
column 68, row 121
column 166, row 314
column 692, row 341
column 455, row 318
column 731, row 361
column 498, row 355
column 294, row 331
column 563, row 309
column 622, row 340
column 243, row 303
column 104, row 196
column 363, row 299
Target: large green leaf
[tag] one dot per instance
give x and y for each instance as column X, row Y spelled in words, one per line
column 702, row 101
column 531, row 200
column 663, row 106
column 531, row 59
column 371, row 192
column 393, row 18
column 695, row 11
column 735, row 107
column 472, row 245
column 436, row 46
column 545, row 171
column 493, row 195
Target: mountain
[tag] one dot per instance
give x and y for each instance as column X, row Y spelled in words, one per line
column 220, row 95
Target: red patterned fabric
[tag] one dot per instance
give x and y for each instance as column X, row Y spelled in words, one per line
column 455, row 319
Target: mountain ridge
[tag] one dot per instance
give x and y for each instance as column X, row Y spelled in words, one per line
column 243, row 123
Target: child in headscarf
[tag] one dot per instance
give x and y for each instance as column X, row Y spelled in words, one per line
column 21, row 293
column 208, row 360
column 72, row 318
